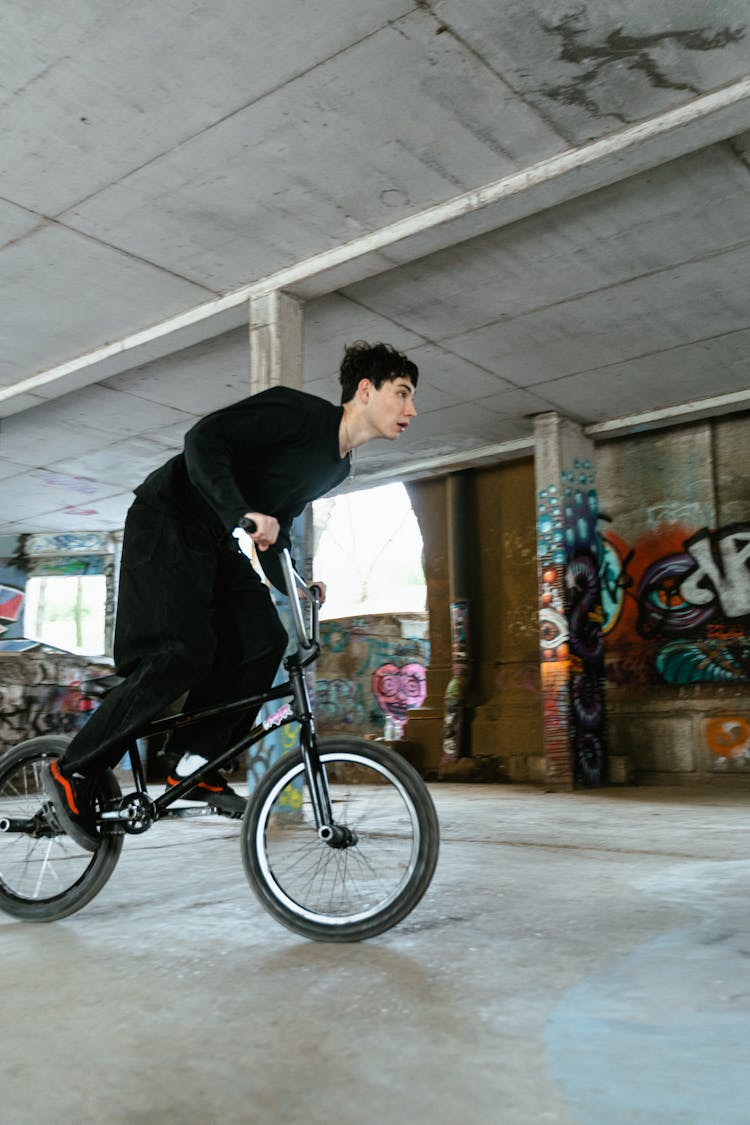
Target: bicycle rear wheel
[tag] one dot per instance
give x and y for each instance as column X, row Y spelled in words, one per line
column 44, row 875
column 347, row 892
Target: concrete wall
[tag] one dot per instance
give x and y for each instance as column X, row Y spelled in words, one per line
column 503, row 725
column 675, row 575
column 508, row 704
column 676, row 584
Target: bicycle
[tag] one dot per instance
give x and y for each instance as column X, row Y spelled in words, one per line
column 339, row 840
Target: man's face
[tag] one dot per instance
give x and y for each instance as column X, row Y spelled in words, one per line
column 391, row 406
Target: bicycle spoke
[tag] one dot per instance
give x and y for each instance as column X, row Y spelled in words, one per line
column 43, row 874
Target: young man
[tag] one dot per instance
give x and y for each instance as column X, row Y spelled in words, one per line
column 193, row 617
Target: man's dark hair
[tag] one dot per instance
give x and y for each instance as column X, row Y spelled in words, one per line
column 377, row 362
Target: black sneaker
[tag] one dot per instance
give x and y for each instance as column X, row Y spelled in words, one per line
column 72, row 801
column 216, row 791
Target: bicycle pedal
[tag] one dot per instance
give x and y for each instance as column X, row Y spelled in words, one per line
column 223, row 812
column 193, row 810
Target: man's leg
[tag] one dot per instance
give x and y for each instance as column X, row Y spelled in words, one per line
column 164, row 640
column 250, row 644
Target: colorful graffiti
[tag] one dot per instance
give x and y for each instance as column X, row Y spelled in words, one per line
column 11, row 604
column 728, row 740
column 30, row 707
column 397, row 690
column 340, row 702
column 455, row 692
column 553, row 636
column 682, row 597
column 571, row 625
column 585, row 618
column 366, row 677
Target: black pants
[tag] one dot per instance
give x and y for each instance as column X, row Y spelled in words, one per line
column 192, row 616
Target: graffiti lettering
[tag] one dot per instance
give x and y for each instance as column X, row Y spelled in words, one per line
column 688, row 603
column 337, row 703
column 721, row 571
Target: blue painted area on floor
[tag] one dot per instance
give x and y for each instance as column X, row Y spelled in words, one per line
column 661, row 1036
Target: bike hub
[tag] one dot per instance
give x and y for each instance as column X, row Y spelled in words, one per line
column 337, row 836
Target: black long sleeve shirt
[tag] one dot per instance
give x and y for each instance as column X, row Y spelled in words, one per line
column 273, row 453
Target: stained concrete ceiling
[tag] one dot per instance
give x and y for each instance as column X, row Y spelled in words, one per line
column 547, row 205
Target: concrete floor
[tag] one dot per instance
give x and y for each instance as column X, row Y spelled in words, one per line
column 579, row 959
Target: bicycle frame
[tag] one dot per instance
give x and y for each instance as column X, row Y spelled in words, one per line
column 298, row 709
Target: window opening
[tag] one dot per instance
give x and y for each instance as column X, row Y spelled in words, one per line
column 367, row 548
column 67, row 611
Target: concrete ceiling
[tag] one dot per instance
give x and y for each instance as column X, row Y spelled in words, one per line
column 547, row 205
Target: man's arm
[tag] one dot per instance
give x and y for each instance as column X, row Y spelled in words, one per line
column 251, row 429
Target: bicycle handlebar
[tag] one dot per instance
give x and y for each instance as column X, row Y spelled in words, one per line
column 294, row 582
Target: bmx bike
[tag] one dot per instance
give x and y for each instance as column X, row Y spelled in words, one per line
column 339, row 839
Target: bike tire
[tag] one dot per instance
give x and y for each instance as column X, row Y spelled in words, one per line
column 350, row 893
column 44, row 875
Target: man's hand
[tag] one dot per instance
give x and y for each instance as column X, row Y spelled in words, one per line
column 266, row 530
column 322, row 588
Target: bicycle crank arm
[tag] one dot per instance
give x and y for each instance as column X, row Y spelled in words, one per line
column 13, row 824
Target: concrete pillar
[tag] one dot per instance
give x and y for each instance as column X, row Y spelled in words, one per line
column 276, row 322
column 424, row 726
column 570, row 605
column 506, row 726
column 460, row 550
column 276, row 325
column 112, row 575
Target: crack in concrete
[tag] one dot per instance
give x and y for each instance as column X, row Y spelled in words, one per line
column 619, row 48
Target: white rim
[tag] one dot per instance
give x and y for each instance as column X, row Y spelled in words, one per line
column 280, row 894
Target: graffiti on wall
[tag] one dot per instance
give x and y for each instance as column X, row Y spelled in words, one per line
column 63, row 544
column 398, row 689
column 367, row 677
column 553, row 635
column 571, row 620
column 458, row 685
column 11, row 605
column 680, row 599
column 727, row 738
column 36, row 704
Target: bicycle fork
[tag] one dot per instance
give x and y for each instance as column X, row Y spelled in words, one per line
column 335, row 835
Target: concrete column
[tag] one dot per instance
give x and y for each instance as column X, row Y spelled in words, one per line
column 112, row 575
column 275, row 341
column 276, row 324
column 424, row 727
column 458, row 515
column 570, row 605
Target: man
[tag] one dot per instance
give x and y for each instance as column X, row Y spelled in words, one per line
column 193, row 617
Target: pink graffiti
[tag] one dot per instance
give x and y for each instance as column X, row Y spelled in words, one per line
column 398, row 689
column 84, row 485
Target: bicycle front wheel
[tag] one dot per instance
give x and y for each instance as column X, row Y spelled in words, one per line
column 44, row 875
column 349, row 891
